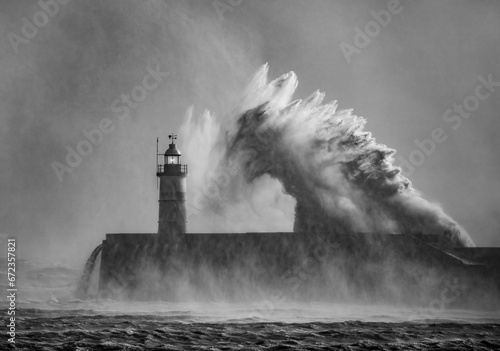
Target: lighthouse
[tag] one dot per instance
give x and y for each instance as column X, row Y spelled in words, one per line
column 172, row 197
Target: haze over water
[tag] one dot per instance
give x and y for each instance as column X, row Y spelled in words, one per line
column 52, row 318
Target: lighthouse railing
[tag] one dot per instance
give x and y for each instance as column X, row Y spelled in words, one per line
column 170, row 168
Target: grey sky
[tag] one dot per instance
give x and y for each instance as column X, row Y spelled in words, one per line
column 66, row 78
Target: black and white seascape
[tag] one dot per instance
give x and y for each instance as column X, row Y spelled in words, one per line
column 250, row 175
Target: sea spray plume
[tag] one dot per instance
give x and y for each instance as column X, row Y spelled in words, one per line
column 199, row 138
column 342, row 180
column 84, row 282
column 219, row 197
column 203, row 148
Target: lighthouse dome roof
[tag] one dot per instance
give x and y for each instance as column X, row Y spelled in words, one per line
column 172, row 151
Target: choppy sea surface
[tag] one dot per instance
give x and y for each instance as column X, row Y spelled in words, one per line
column 49, row 317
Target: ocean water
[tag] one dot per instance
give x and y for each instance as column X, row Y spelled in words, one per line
column 49, row 317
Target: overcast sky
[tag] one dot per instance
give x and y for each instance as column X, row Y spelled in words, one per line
column 63, row 73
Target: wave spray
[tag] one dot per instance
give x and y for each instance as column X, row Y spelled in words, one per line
column 342, row 180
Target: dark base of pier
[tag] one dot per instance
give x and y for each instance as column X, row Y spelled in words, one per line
column 377, row 268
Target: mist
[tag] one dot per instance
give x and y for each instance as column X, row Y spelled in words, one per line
column 67, row 78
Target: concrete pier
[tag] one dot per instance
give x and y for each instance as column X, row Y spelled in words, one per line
column 310, row 263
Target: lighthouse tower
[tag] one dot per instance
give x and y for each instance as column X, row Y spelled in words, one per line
column 172, row 200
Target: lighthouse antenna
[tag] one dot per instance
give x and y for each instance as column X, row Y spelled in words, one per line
column 157, row 161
